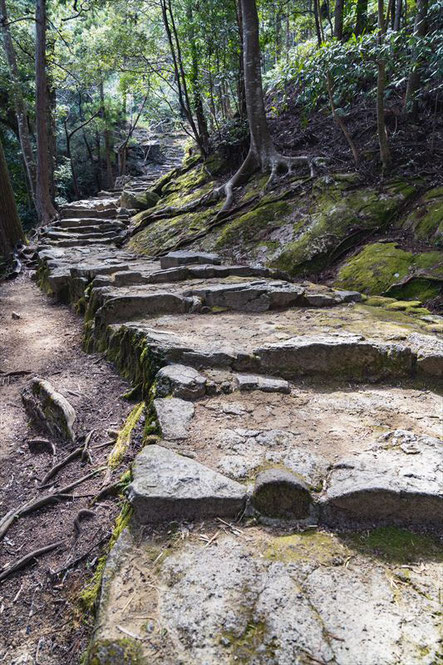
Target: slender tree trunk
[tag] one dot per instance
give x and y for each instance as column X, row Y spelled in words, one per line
column 241, row 95
column 361, row 17
column 396, row 16
column 317, row 19
column 44, row 205
column 340, row 121
column 52, row 137
column 420, row 30
column 195, row 81
column 385, row 153
column 19, row 102
column 10, row 228
column 106, row 139
column 338, row 20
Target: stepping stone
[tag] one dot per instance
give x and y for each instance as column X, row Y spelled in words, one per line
column 250, row 296
column 341, row 356
column 180, row 381
column 390, row 484
column 174, row 417
column 279, row 493
column 49, row 409
column 182, row 258
column 266, row 384
column 429, row 354
column 124, row 308
column 167, row 487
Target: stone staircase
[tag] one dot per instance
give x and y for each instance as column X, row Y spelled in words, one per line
column 283, row 420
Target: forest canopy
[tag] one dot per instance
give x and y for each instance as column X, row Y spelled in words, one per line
column 78, row 77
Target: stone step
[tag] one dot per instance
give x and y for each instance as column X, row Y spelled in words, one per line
column 167, row 486
column 83, row 234
column 88, row 222
column 81, row 242
column 88, row 212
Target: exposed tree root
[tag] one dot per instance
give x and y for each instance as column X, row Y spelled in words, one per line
column 21, row 563
column 35, row 504
column 82, row 451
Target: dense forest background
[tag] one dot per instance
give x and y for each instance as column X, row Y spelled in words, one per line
column 356, row 84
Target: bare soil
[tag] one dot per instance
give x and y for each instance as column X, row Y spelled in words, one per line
column 40, row 617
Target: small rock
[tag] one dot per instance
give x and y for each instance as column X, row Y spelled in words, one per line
column 49, row 409
column 182, row 258
column 16, row 316
column 174, row 417
column 266, row 384
column 180, row 381
column 279, row 493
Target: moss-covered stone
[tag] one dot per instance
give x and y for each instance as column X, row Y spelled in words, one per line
column 425, row 220
column 396, row 545
column 139, row 201
column 123, row 651
column 382, row 268
column 339, row 216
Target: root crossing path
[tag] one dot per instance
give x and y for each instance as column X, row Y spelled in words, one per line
column 285, row 499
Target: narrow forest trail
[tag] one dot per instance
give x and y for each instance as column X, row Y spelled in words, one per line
column 43, row 339
column 286, row 503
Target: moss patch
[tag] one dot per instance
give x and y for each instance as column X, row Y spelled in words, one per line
column 124, row 436
column 378, row 266
column 308, row 545
column 89, row 596
column 425, row 220
column 396, row 545
column 123, row 651
column 253, row 226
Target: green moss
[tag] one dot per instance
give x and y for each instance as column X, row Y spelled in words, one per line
column 378, row 266
column 122, row 651
column 124, row 436
column 89, row 596
column 305, row 546
column 253, row 226
column 396, row 545
column 339, row 216
column 250, row 643
column 425, row 220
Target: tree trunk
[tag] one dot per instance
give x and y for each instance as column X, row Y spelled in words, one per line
column 241, row 95
column 19, row 102
column 10, row 228
column 338, row 20
column 106, row 140
column 385, row 153
column 44, row 205
column 196, row 91
column 361, row 17
column 420, row 30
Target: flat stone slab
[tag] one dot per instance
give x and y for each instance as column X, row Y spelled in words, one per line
column 180, row 381
column 174, row 417
column 168, row 486
column 338, row 356
column 266, row 384
column 398, row 482
column 250, row 296
column 257, row 596
column 183, row 258
column 49, row 409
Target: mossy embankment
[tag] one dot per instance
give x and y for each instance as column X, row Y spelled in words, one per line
column 381, row 239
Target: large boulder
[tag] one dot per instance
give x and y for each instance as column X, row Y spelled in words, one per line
column 138, row 201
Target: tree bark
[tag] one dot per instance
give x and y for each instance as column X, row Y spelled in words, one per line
column 19, row 102
column 44, row 204
column 106, row 139
column 420, row 30
column 361, row 17
column 338, row 20
column 385, row 153
column 10, row 227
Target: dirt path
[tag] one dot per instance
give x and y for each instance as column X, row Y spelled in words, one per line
column 38, row 612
